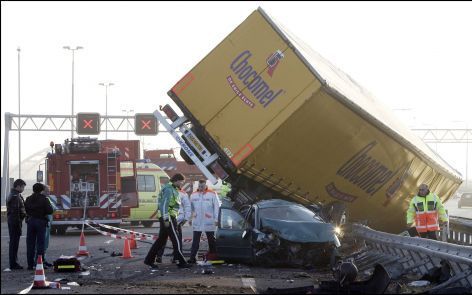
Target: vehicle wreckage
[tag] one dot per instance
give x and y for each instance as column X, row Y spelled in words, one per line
column 276, row 233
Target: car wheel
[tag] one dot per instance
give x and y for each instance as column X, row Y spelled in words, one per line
column 147, row 223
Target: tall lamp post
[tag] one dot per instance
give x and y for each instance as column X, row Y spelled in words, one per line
column 108, row 84
column 72, row 114
column 466, row 152
column 19, row 117
column 127, row 123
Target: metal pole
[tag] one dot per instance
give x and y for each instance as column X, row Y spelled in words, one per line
column 6, row 176
column 106, row 111
column 19, row 117
column 72, row 114
column 467, row 158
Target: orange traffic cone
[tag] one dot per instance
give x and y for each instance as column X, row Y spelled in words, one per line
column 82, row 247
column 126, row 250
column 132, row 243
column 39, row 276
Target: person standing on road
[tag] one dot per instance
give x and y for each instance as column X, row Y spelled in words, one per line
column 184, row 216
column 46, row 192
column 15, row 215
column 205, row 206
column 169, row 203
column 37, row 208
column 427, row 212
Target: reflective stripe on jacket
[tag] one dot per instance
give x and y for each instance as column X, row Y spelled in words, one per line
column 426, row 211
column 205, row 207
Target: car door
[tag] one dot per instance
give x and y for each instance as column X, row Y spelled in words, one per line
column 229, row 242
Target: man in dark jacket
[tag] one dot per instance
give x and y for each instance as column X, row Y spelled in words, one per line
column 37, row 208
column 16, row 213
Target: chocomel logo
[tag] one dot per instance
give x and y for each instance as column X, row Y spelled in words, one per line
column 248, row 75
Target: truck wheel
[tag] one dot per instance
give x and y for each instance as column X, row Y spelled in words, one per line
column 134, row 223
column 147, row 223
column 61, row 230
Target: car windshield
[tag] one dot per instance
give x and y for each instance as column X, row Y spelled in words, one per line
column 291, row 213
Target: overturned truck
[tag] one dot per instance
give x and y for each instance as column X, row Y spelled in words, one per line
column 276, row 120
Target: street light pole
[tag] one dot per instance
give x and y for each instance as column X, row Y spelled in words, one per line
column 127, row 122
column 19, row 117
column 106, row 105
column 72, row 114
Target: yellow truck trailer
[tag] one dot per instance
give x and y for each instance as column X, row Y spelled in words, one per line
column 276, row 120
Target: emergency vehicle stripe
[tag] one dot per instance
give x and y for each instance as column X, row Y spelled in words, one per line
column 118, row 204
column 102, row 199
column 53, row 199
column 65, row 202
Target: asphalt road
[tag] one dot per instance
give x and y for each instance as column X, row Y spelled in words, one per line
column 115, row 275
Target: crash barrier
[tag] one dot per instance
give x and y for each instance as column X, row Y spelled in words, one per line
column 418, row 254
column 185, row 240
column 460, row 231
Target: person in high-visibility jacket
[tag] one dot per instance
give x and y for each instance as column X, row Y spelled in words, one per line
column 169, row 204
column 427, row 212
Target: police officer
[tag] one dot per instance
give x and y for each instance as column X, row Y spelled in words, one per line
column 169, row 203
column 37, row 208
column 15, row 213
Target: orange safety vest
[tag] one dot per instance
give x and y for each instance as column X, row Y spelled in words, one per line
column 426, row 220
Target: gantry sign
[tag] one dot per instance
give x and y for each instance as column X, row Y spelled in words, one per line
column 85, row 123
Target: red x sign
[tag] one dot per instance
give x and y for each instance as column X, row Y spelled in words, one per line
column 88, row 124
column 146, row 124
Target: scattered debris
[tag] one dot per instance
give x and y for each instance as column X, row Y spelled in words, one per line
column 7, row 269
column 302, row 275
column 207, row 272
column 439, row 274
column 85, row 273
column 419, row 283
column 72, row 284
column 113, row 254
column 65, row 288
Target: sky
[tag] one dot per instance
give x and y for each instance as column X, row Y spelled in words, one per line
column 415, row 57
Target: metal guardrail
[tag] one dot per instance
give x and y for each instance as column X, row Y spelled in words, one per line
column 419, row 255
column 460, row 231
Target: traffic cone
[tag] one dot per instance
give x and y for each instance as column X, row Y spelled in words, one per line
column 39, row 276
column 132, row 243
column 126, row 250
column 82, row 247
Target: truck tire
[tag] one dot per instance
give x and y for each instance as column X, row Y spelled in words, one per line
column 53, row 230
column 134, row 223
column 147, row 223
column 61, row 230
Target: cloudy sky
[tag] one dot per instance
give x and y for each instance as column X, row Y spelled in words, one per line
column 412, row 56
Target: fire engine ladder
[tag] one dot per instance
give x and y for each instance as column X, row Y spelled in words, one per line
column 112, row 163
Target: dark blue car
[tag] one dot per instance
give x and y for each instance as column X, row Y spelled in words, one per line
column 275, row 233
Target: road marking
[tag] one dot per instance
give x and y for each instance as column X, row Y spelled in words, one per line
column 248, row 282
column 26, row 291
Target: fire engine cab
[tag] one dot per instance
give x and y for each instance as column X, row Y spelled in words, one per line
column 84, row 180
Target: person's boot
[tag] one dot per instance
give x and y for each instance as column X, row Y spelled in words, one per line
column 192, row 260
column 151, row 265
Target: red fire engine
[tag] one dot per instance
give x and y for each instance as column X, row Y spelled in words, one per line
column 86, row 169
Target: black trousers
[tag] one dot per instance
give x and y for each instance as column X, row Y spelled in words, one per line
column 196, row 242
column 164, row 233
column 14, row 231
column 429, row 235
column 35, row 235
column 160, row 251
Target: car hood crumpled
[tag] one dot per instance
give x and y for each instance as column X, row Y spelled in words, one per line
column 300, row 231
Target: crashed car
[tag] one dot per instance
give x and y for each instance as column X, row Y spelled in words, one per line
column 275, row 233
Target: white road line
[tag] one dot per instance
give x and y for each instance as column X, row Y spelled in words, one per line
column 26, row 291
